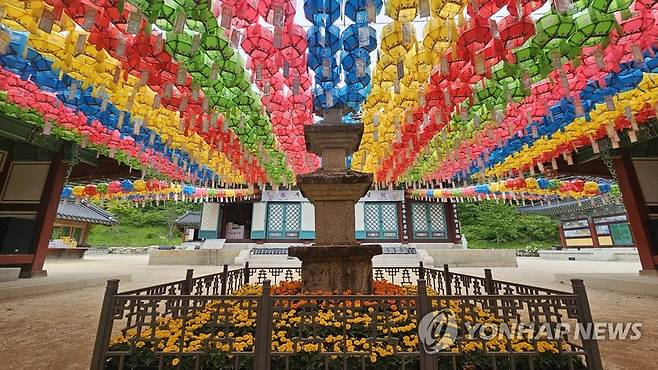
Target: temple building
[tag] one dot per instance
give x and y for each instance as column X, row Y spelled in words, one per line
column 33, row 170
column 383, row 216
column 72, row 225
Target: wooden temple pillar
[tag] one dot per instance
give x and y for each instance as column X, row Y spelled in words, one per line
column 46, row 215
column 563, row 239
column 638, row 213
column 452, row 223
column 593, row 233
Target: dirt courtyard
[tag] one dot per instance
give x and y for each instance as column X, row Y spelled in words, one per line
column 57, row 330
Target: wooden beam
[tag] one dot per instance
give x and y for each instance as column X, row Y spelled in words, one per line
column 107, row 169
column 47, row 214
column 593, row 167
column 638, row 214
column 16, row 259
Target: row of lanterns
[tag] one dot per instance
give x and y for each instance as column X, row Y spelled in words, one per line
column 277, row 60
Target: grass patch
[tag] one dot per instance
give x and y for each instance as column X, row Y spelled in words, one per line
column 131, row 236
column 488, row 244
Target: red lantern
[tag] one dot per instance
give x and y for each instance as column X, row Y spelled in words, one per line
column 262, row 69
column 514, row 32
column 271, row 9
column 246, row 13
column 484, row 8
column 258, row 42
column 293, row 43
column 523, row 7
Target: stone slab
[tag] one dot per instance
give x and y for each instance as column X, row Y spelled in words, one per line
column 592, row 254
column 474, row 257
column 201, row 257
column 625, row 283
column 323, row 136
column 66, row 253
column 64, row 282
column 9, row 273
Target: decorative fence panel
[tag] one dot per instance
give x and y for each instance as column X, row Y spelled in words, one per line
column 207, row 327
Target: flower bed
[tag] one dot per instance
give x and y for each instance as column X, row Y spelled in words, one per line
column 318, row 330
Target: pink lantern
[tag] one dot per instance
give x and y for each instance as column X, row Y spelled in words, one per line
column 277, row 12
column 297, row 80
column 279, row 102
column 301, row 102
column 246, row 13
column 293, row 42
column 257, row 42
column 262, row 69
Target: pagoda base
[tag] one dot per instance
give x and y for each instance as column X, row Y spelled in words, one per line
column 337, row 268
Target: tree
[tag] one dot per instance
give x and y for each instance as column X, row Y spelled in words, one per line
column 501, row 223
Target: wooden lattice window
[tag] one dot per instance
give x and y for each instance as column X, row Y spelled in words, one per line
column 284, row 220
column 428, row 220
column 381, row 220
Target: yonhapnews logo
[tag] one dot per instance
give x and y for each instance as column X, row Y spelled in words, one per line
column 438, row 330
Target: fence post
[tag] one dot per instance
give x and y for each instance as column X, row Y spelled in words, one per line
column 427, row 362
column 489, row 287
column 262, row 347
column 224, row 279
column 447, row 279
column 187, row 286
column 245, row 274
column 585, row 317
column 421, row 271
column 104, row 326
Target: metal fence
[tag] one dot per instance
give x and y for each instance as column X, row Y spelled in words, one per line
column 254, row 323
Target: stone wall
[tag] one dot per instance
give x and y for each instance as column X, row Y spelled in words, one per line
column 200, row 257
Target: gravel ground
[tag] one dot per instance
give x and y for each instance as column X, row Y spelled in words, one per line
column 56, row 331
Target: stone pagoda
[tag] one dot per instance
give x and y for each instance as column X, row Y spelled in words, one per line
column 336, row 262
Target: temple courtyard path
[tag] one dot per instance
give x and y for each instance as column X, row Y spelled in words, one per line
column 57, row 330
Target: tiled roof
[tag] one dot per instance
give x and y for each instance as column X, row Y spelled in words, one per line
column 191, row 219
column 571, row 207
column 84, row 211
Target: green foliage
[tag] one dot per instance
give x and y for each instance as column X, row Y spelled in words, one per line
column 131, row 236
column 141, row 227
column 151, row 215
column 491, row 225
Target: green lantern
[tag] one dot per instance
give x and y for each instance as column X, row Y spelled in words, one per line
column 490, row 93
column 552, row 30
column 217, row 47
column 243, row 99
column 166, row 18
column 179, row 45
column 503, row 72
column 592, row 28
column 224, row 100
column 201, row 69
column 517, row 91
column 610, row 6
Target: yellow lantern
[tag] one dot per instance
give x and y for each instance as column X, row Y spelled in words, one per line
column 439, row 34
column 418, row 64
column 446, row 9
column 397, row 39
column 402, row 10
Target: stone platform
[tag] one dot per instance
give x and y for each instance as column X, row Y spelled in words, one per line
column 58, row 283
column 620, row 282
column 337, row 267
column 592, row 254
